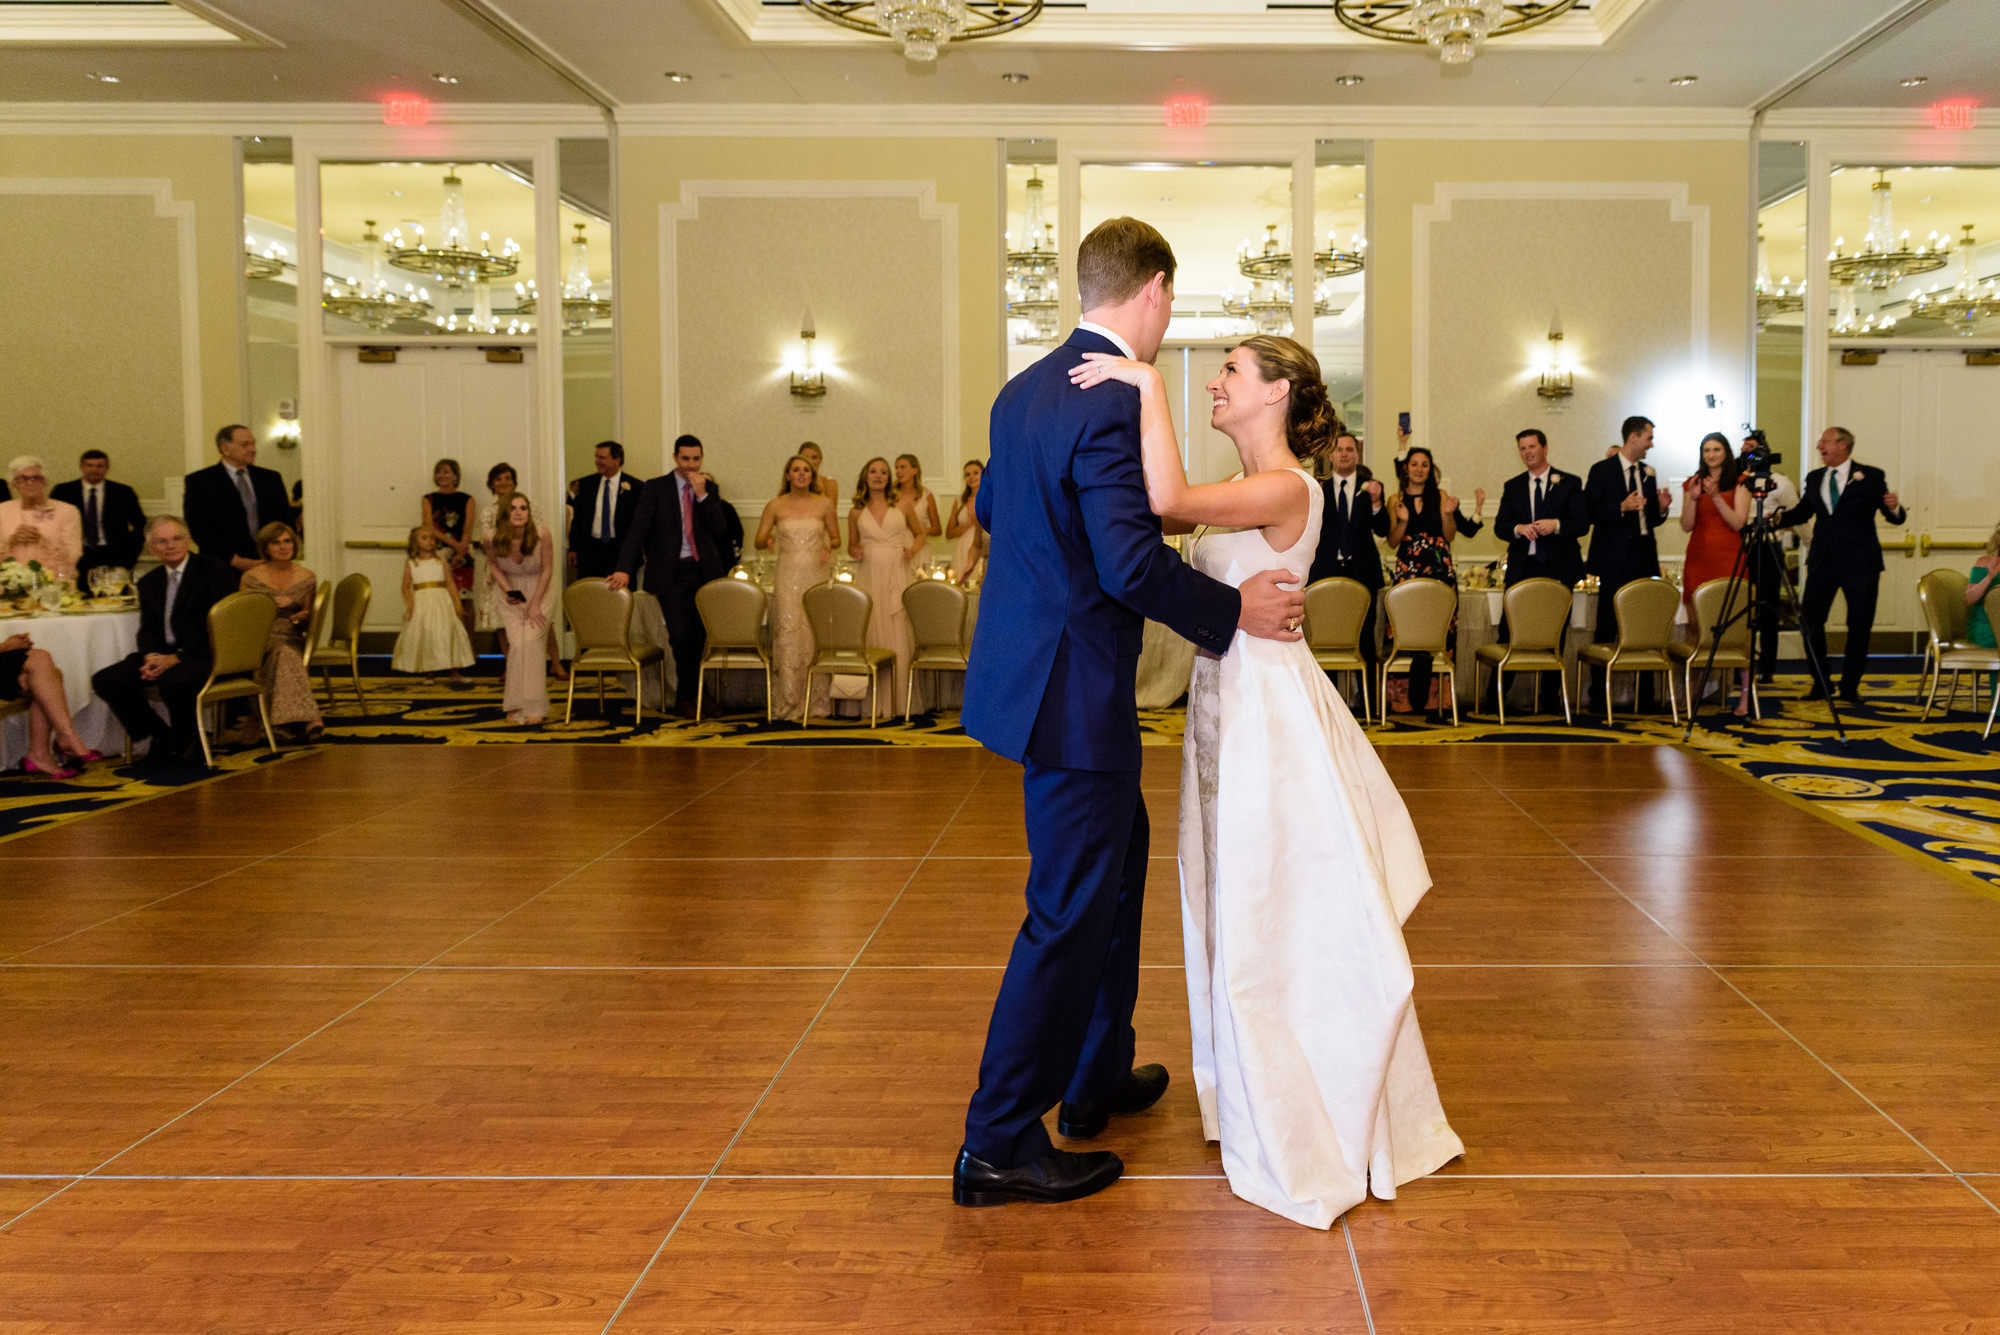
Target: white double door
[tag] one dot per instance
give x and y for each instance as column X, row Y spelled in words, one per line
column 1932, row 422
column 395, row 420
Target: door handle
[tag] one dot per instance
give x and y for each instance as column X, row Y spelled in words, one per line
column 1907, row 545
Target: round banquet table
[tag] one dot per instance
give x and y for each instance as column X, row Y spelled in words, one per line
column 80, row 643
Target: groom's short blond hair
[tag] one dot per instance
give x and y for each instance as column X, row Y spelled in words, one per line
column 1119, row 257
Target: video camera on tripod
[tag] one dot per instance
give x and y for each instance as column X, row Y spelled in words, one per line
column 1754, row 462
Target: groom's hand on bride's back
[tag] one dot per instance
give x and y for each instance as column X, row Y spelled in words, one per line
column 1269, row 612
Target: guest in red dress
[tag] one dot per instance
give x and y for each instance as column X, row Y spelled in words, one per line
column 1713, row 512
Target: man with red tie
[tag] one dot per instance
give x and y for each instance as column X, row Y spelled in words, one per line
column 681, row 536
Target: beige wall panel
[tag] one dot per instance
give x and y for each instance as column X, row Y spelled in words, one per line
column 964, row 175
column 589, row 407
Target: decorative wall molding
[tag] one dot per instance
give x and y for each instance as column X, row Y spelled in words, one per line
column 181, row 211
column 1674, row 194
column 929, row 209
column 234, row 118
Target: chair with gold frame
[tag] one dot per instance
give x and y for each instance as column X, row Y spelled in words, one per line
column 1336, row 610
column 601, row 619
column 732, row 618
column 1941, row 595
column 344, row 617
column 1645, row 611
column 239, row 631
column 936, row 612
column 1735, row 651
column 1419, row 612
column 838, row 615
column 1537, row 610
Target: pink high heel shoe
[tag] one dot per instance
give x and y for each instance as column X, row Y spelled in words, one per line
column 82, row 758
column 32, row 768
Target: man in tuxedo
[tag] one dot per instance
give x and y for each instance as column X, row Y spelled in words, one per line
column 173, row 655
column 1842, row 498
column 680, row 533
column 1352, row 518
column 1075, row 567
column 114, row 525
column 228, row 502
column 601, row 506
column 1542, row 516
column 1624, row 505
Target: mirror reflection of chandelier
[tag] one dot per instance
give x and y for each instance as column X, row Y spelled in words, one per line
column 266, row 263
column 481, row 319
column 1849, row 322
column 454, row 263
column 1779, row 298
column 1965, row 304
column 579, row 305
column 1268, row 264
column 370, row 300
column 1885, row 258
column 925, row 27
column 1456, row 29
column 1032, row 270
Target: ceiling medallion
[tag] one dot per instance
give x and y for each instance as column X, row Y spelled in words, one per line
column 1457, row 28
column 925, row 27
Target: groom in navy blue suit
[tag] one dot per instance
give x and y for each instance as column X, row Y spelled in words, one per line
column 1075, row 566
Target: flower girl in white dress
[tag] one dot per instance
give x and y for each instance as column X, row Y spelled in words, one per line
column 1299, row 863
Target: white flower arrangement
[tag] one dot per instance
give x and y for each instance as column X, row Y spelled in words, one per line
column 22, row 577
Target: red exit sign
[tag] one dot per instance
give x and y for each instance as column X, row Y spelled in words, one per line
column 1957, row 113
column 1187, row 112
column 399, row 109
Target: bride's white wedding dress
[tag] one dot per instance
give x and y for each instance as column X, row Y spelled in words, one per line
column 1299, row 865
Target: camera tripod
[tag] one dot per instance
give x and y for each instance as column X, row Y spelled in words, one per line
column 1760, row 544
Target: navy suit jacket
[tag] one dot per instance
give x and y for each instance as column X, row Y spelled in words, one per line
column 1558, row 556
column 214, row 509
column 123, row 519
column 1348, row 549
column 1619, row 552
column 1845, row 540
column 1074, row 567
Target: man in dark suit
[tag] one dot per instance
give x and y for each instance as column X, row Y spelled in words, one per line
column 680, row 533
column 114, row 525
column 1842, row 498
column 1624, row 505
column 173, row 655
column 1075, row 567
column 1542, row 516
column 227, row 502
column 601, row 506
column 1352, row 518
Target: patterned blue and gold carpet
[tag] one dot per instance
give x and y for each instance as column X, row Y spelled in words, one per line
column 1928, row 788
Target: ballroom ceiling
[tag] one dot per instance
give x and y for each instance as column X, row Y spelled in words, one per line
column 358, row 50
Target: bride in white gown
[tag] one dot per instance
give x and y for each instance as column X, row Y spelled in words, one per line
column 1298, row 860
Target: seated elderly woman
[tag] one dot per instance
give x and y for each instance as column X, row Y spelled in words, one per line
column 35, row 528
column 288, row 692
column 28, row 672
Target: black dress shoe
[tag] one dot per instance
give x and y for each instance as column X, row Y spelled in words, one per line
column 1141, row 1090
column 1813, row 692
column 1059, row 1175
column 1850, row 697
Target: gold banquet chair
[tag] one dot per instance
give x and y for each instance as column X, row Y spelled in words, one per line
column 1941, row 595
column 1735, row 651
column 732, row 618
column 1537, row 611
column 239, row 630
column 1992, row 605
column 1645, row 613
column 347, row 610
column 601, row 619
column 1336, row 609
column 1962, row 655
column 937, row 631
column 1419, row 612
column 838, row 615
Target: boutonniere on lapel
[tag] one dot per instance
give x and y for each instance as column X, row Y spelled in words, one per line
column 1646, row 470
column 624, row 484
column 1554, row 477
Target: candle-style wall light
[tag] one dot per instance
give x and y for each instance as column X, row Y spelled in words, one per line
column 1557, row 383
column 808, row 379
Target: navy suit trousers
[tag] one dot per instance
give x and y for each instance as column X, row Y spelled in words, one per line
column 1062, row 1026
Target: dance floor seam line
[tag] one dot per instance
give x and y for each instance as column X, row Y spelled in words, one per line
column 785, row 1065
column 1858, row 1175
column 1360, row 1288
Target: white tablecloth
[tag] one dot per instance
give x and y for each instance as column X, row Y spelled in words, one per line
column 80, row 644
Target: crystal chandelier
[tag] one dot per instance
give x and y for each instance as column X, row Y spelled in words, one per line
column 481, row 319
column 266, row 263
column 1885, row 258
column 580, row 307
column 370, row 300
column 1848, row 322
column 1456, row 28
column 455, row 263
column 924, row 27
column 1032, row 270
column 1779, row 298
column 1965, row 304
column 1271, row 265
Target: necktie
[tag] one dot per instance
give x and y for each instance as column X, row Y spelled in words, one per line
column 249, row 499
column 92, row 535
column 689, row 551
column 173, row 592
column 1344, row 512
column 1534, row 511
column 604, row 532
column 1632, row 482
column 1833, row 488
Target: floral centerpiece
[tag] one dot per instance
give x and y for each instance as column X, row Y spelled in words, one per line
column 20, row 579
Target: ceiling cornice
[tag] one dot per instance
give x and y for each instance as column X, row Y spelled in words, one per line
column 280, row 117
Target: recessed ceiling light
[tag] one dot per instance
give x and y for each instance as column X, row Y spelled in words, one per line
column 101, row 78
column 676, row 76
column 395, row 194
column 445, row 78
column 1013, row 76
column 1682, row 81
column 1916, row 79
column 1347, row 80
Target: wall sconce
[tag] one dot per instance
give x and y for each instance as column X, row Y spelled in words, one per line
column 808, row 381
column 1557, row 383
column 286, row 433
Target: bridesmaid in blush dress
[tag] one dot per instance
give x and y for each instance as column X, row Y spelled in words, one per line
column 799, row 522
column 968, row 553
column 520, row 563
column 885, row 535
column 1713, row 516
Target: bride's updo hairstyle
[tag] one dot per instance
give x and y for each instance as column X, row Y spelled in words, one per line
column 1310, row 423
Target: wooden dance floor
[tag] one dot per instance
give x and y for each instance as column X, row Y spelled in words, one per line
column 572, row 1039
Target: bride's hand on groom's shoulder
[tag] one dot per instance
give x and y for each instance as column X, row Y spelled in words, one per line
column 1098, row 367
